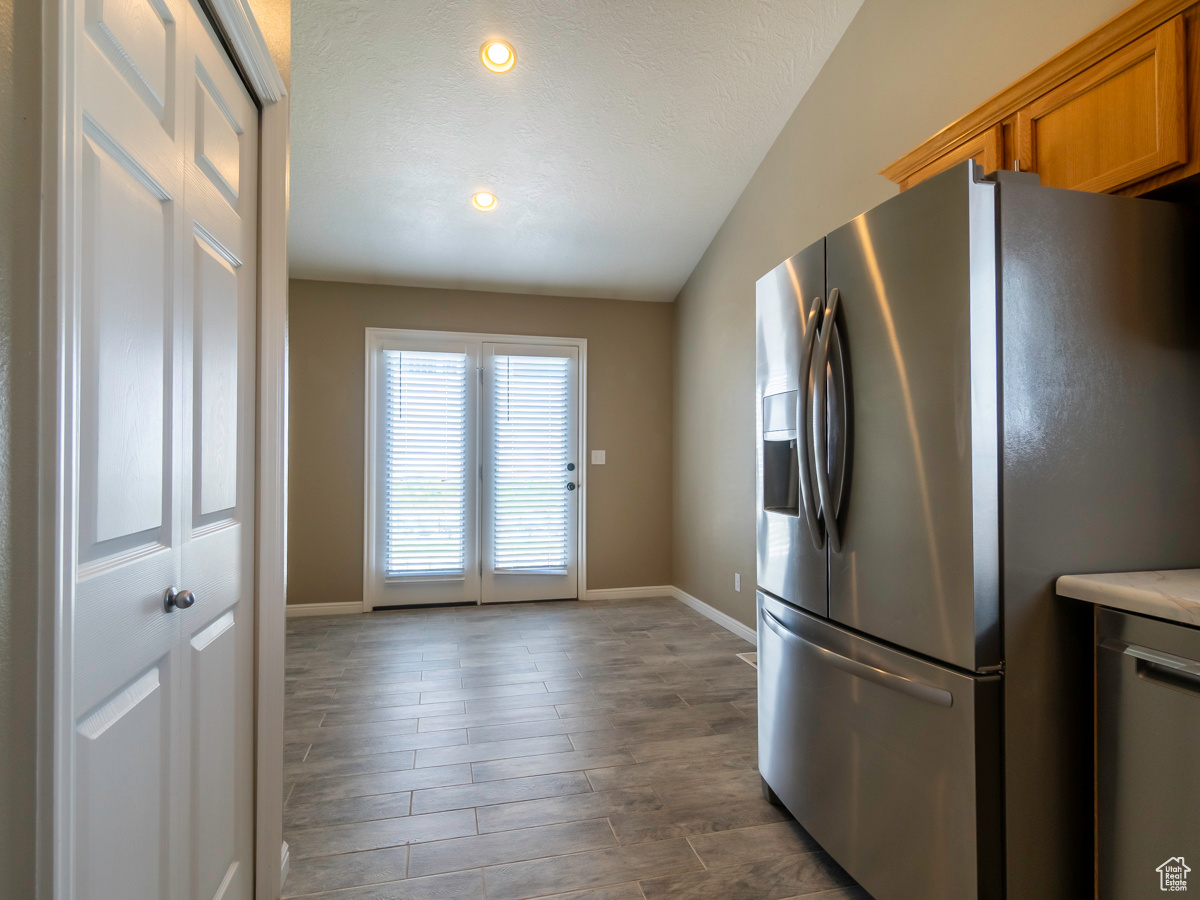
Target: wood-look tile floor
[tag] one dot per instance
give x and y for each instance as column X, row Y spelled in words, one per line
column 576, row 751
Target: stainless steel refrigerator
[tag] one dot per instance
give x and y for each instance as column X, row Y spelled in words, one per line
column 971, row 389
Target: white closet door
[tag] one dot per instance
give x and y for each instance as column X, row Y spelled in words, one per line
column 162, row 747
column 422, row 496
column 530, row 450
column 128, row 826
column 220, row 290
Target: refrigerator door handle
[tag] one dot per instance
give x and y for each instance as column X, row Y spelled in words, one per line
column 841, row 406
column 819, row 424
column 803, row 434
column 899, row 683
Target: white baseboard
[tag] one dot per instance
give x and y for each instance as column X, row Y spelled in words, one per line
column 631, row 593
column 324, row 609
column 285, row 864
column 729, row 623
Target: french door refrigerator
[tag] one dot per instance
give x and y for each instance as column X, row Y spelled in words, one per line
column 971, row 389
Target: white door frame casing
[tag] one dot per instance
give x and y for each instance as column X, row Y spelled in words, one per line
column 271, row 543
column 58, row 403
column 375, row 339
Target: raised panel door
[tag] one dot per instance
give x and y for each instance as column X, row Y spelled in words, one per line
column 161, row 759
column 122, row 751
column 220, row 162
column 138, row 37
column 1120, row 121
column 126, row 826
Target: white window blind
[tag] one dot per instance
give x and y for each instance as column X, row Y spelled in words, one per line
column 530, row 456
column 425, row 463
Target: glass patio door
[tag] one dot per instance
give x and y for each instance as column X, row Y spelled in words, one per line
column 472, row 490
column 422, row 486
column 530, row 453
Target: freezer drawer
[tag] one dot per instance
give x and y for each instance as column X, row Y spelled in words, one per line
column 890, row 762
column 1148, row 753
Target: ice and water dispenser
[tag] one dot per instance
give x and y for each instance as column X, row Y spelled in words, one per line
column 781, row 457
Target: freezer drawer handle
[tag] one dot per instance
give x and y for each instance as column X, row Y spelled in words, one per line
column 890, row 680
column 803, row 434
column 1159, row 667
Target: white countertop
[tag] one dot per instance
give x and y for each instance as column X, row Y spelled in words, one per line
column 1173, row 595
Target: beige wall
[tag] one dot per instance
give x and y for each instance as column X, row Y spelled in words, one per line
column 901, row 72
column 628, row 404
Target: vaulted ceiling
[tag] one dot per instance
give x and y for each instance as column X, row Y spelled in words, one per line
column 616, row 145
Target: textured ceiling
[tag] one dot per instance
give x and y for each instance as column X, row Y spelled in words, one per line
column 616, row 146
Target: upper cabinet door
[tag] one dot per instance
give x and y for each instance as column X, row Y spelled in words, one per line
column 1109, row 114
column 1120, row 121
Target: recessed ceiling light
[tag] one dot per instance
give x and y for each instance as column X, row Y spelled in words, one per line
column 485, row 201
column 499, row 56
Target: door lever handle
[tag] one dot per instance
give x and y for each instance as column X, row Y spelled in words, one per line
column 174, row 599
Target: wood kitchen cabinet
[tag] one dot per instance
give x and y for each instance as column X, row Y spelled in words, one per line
column 1117, row 112
column 1116, row 123
column 986, row 148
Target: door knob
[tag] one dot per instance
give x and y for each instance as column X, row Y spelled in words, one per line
column 570, row 485
column 178, row 599
column 570, row 467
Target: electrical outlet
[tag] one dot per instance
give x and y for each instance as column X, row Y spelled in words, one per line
column 737, row 582
column 597, row 457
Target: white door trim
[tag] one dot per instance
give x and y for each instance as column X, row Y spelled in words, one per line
column 58, row 395
column 249, row 49
column 271, row 544
column 376, row 336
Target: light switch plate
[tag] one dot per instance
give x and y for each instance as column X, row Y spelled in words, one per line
column 737, row 581
column 597, row 457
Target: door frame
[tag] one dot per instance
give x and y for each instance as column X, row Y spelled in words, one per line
column 58, row 409
column 376, row 337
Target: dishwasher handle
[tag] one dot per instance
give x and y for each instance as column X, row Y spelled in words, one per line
column 899, row 683
column 1162, row 668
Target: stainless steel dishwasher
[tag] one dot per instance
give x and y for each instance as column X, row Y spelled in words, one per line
column 1147, row 755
